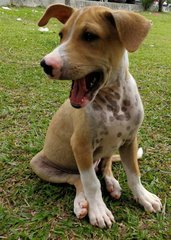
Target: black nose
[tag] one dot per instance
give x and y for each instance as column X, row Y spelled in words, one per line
column 47, row 68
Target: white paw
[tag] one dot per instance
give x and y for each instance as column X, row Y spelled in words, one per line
column 80, row 206
column 148, row 200
column 100, row 215
column 113, row 187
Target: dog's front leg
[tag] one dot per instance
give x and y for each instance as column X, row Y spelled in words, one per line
column 149, row 201
column 99, row 215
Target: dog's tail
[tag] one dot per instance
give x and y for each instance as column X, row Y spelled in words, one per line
column 116, row 158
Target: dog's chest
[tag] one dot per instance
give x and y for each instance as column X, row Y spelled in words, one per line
column 115, row 119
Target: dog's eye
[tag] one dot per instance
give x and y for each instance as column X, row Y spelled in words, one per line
column 61, row 35
column 89, row 37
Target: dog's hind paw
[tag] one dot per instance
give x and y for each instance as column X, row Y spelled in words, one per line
column 113, row 187
column 80, row 206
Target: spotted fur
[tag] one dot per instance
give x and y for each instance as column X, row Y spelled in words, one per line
column 110, row 109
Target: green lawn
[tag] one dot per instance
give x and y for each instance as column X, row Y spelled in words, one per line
column 33, row 209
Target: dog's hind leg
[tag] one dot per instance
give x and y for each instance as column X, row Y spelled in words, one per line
column 48, row 171
column 112, row 185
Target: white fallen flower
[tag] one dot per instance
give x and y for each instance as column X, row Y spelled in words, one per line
column 19, row 19
column 140, row 153
column 43, row 29
column 6, row 8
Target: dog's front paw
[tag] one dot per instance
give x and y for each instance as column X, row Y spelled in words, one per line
column 100, row 215
column 148, row 200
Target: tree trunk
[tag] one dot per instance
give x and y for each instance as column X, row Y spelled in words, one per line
column 160, row 6
column 67, row 2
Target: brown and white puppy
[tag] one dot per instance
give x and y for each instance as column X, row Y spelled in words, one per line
column 103, row 112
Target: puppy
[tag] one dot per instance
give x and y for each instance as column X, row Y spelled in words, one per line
column 104, row 110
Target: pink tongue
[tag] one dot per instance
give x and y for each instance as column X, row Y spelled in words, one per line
column 78, row 93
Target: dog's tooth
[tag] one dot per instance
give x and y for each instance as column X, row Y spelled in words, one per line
column 91, row 84
column 94, row 79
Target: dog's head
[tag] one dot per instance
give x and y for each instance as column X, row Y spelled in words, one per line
column 92, row 43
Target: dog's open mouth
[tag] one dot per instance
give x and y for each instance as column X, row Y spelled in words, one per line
column 83, row 89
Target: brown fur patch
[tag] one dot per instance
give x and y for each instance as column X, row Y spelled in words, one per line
column 96, row 106
column 127, row 116
column 124, row 109
column 104, row 132
column 103, row 116
column 111, row 119
column 109, row 107
column 117, row 95
column 126, row 103
column 120, row 117
column 128, row 128
column 102, row 99
column 136, row 100
column 119, row 134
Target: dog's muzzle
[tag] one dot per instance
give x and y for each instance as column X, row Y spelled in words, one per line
column 83, row 90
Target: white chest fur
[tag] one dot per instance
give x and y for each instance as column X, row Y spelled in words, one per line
column 115, row 116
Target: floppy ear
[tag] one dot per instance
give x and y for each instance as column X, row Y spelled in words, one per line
column 59, row 11
column 132, row 28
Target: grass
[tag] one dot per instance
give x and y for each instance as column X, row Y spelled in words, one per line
column 33, row 209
